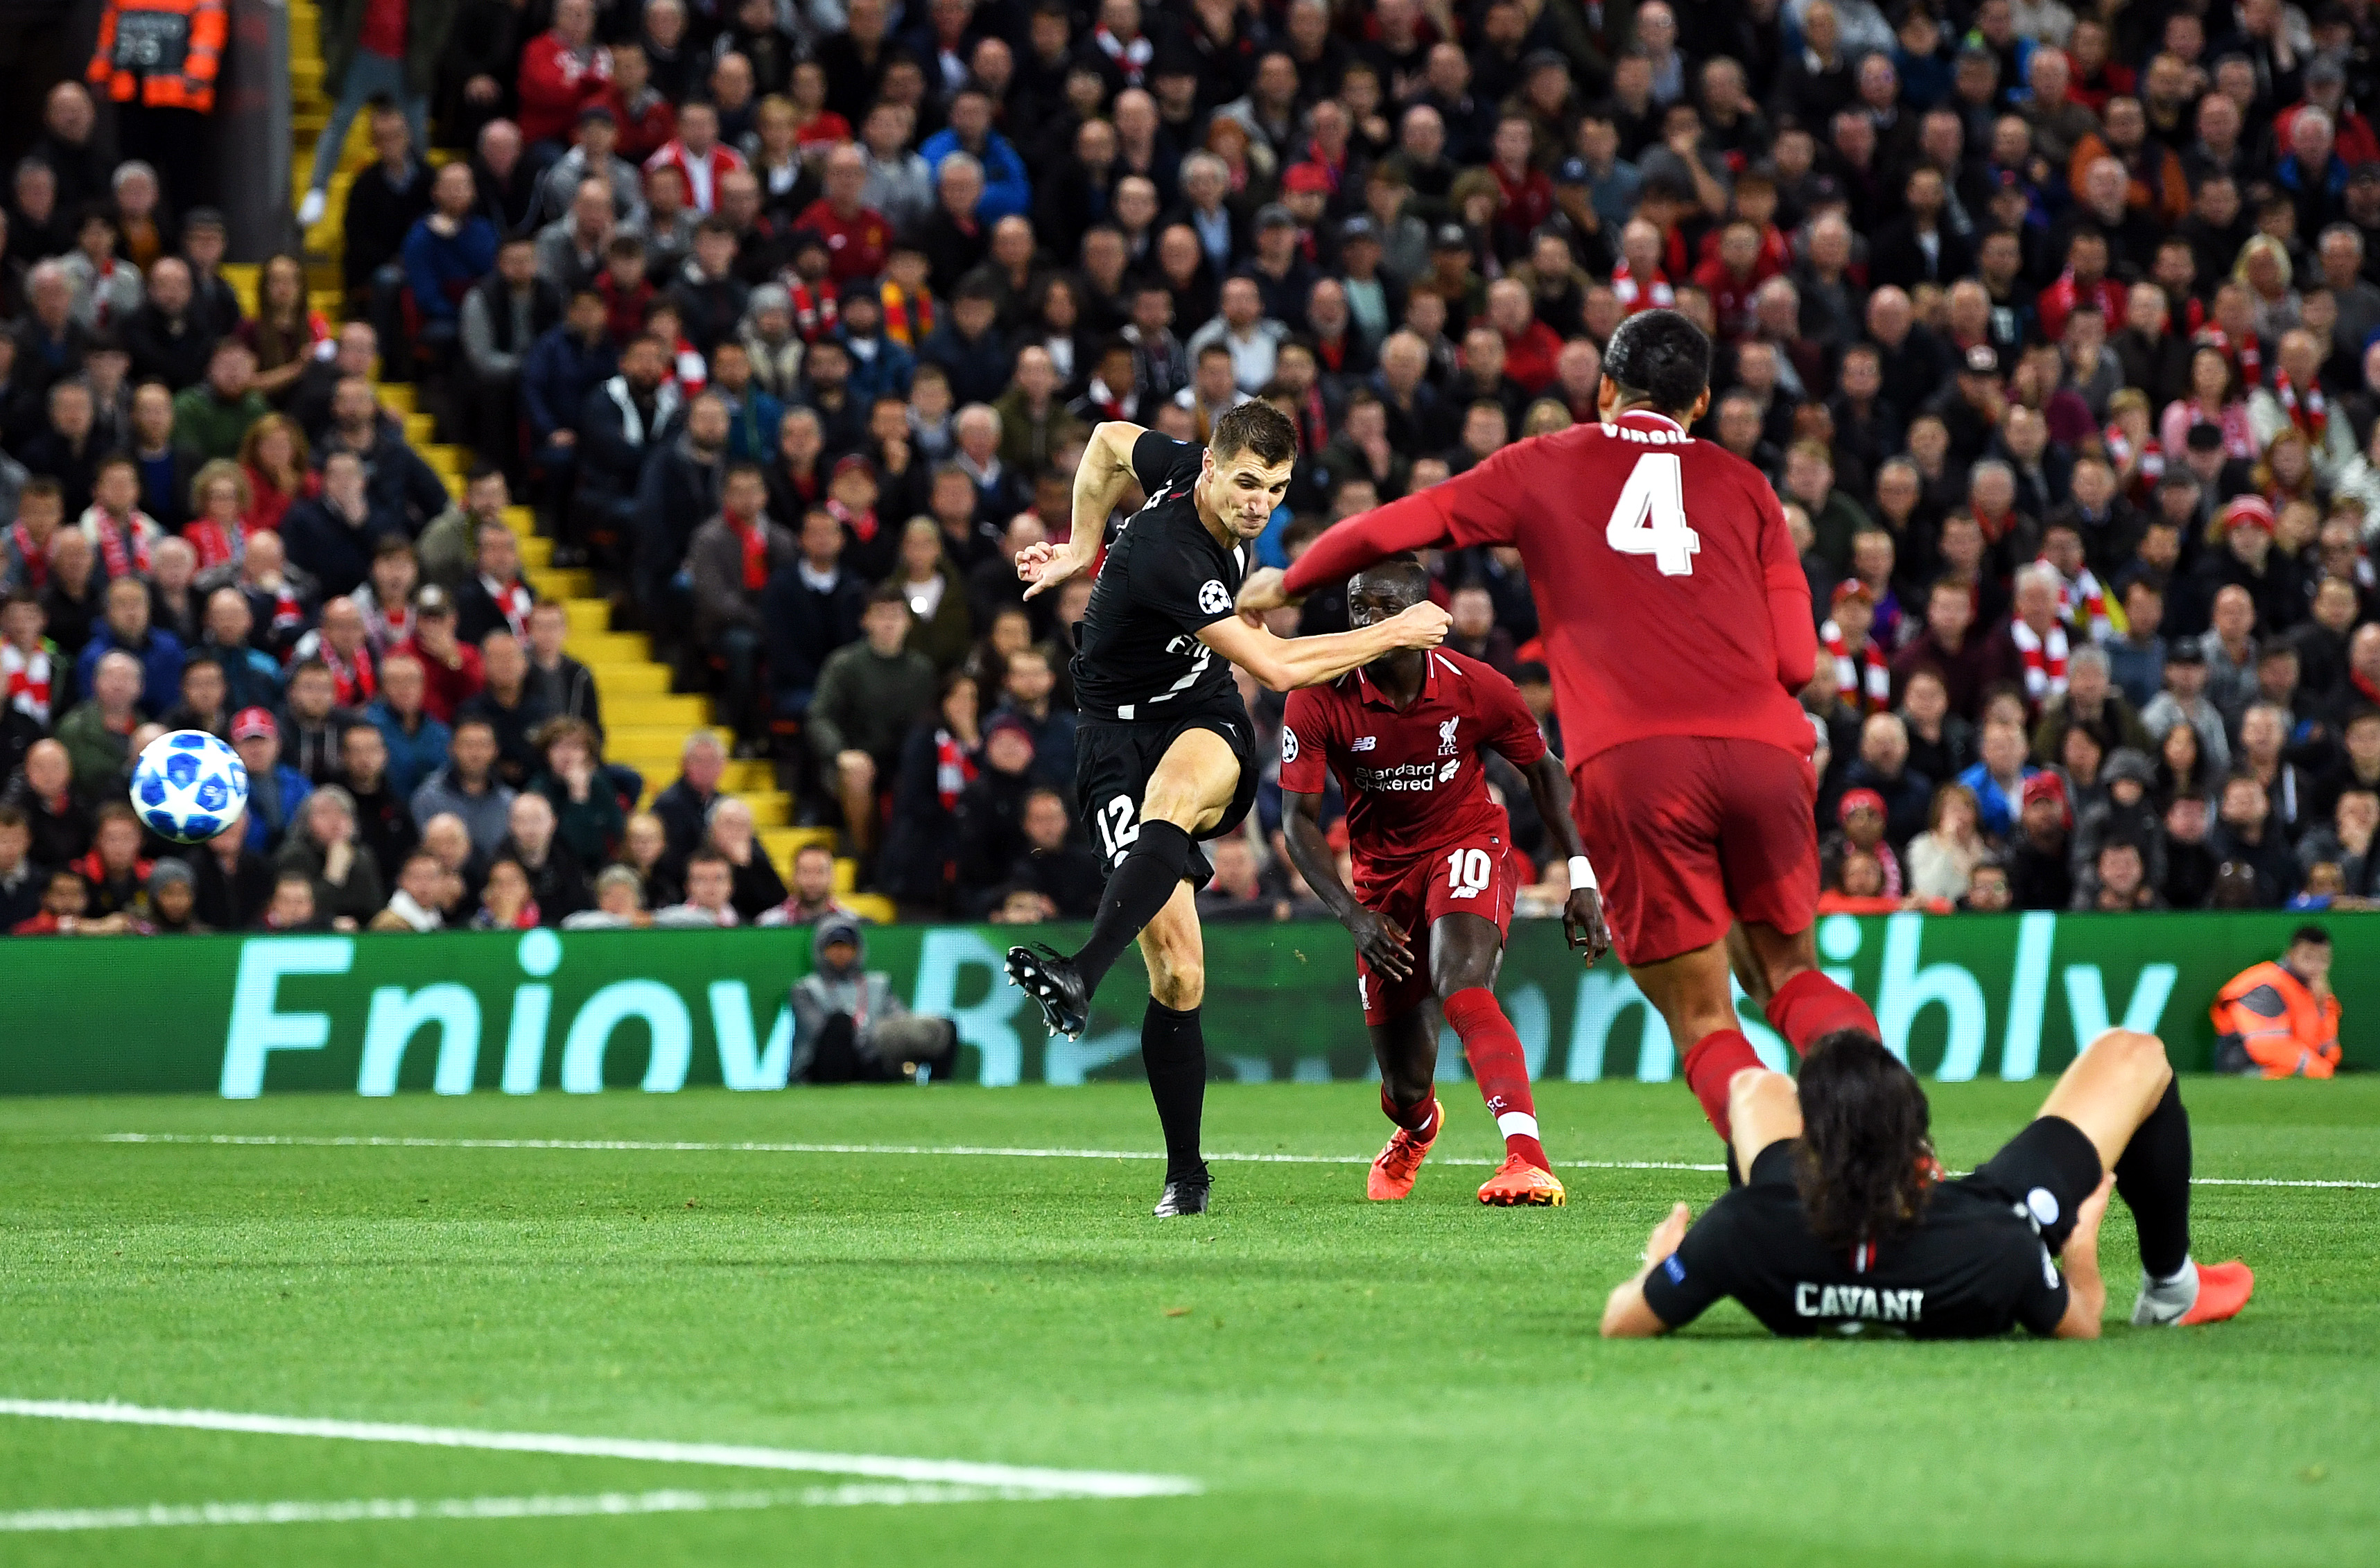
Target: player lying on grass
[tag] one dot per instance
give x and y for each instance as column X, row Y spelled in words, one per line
column 1676, row 626
column 1844, row 1225
column 1435, row 872
column 1165, row 756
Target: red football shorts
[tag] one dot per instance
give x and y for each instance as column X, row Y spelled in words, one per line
column 1479, row 876
column 1690, row 836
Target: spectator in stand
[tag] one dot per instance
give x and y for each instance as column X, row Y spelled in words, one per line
column 383, row 815
column 323, row 846
column 811, row 898
column 276, row 792
column 384, row 203
column 416, row 741
column 684, row 809
column 213, row 419
column 452, row 670
column 808, row 608
column 620, row 422
column 869, row 693
column 157, row 655
column 563, row 71
column 508, row 707
column 97, row 732
column 557, row 884
column 710, row 895
column 332, row 537
column 467, row 789
column 495, row 597
column 587, row 811
column 732, row 560
column 2245, row 834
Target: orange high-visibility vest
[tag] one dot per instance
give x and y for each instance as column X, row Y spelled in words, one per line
column 164, row 54
column 2274, row 1017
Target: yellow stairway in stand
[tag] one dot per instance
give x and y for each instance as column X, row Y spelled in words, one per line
column 645, row 723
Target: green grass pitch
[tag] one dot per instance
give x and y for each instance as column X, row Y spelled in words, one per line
column 1349, row 1383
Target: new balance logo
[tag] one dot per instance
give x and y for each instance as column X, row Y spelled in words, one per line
column 1364, row 742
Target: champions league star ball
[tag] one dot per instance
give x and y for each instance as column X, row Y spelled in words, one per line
column 188, row 786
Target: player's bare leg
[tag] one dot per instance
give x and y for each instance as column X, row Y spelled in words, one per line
column 1780, row 971
column 1466, row 953
column 2122, row 1093
column 1187, row 793
column 1690, row 991
column 1406, row 1047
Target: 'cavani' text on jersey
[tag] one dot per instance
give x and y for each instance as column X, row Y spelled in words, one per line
column 1165, row 578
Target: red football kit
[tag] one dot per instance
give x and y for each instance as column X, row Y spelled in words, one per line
column 1677, row 629
column 1427, row 838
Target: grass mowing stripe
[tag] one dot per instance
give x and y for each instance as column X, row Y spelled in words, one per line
column 365, row 1510
column 981, row 1150
column 946, row 1472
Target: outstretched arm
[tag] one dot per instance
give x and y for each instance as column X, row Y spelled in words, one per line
column 1625, row 1315
column 1381, row 944
column 1282, row 663
column 1583, row 912
column 1480, row 506
column 1105, row 474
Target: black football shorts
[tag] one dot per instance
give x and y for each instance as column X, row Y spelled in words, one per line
column 1113, row 759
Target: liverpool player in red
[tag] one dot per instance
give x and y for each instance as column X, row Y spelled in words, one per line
column 1677, row 625
column 1435, row 872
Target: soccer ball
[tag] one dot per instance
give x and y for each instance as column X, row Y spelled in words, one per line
column 188, row 786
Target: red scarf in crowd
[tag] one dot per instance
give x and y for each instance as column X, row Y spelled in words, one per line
column 908, row 318
column 2082, row 602
column 37, row 560
column 1653, row 293
column 215, row 547
column 286, row 611
column 954, row 768
column 352, row 681
column 817, row 308
column 28, row 677
column 2152, row 455
column 2310, row 415
column 1865, row 679
column 2247, row 356
column 122, row 547
column 753, row 537
column 1994, row 529
column 861, row 524
column 2045, row 660
column 513, row 600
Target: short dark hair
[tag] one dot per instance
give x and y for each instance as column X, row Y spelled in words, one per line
column 2313, row 934
column 887, row 593
column 1660, row 356
column 1258, row 428
column 1400, row 574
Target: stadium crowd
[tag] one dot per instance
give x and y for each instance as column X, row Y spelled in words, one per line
column 2054, row 329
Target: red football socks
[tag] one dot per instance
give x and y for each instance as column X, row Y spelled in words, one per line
column 1809, row 1007
column 1501, row 1068
column 1715, row 1058
column 1413, row 1118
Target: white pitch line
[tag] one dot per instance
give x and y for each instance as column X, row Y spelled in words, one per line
column 166, row 1515
column 938, row 1472
column 978, row 1150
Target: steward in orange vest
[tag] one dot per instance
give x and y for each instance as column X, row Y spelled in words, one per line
column 2280, row 1020
column 160, row 54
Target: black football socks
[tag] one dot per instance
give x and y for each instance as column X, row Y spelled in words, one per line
column 1136, row 890
column 2153, row 1178
column 1174, row 1050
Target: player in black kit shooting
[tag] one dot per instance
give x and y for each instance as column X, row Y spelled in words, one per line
column 1844, row 1226
column 1165, row 755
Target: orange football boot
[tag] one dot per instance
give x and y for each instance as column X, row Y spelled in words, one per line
column 2223, row 1289
column 1518, row 1183
column 1392, row 1174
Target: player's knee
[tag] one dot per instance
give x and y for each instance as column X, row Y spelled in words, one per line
column 2135, row 1054
column 1177, row 980
column 856, row 769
